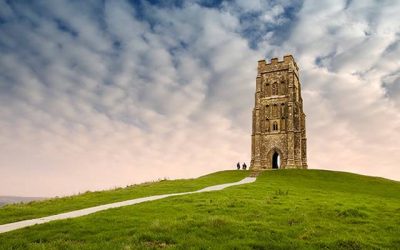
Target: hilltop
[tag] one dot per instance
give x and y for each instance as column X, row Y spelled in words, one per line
column 283, row 209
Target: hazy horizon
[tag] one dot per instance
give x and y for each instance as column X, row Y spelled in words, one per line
column 103, row 94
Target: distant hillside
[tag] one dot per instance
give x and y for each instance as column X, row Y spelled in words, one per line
column 283, row 209
column 17, row 199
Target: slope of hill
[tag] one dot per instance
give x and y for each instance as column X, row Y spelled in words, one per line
column 17, row 199
column 18, row 212
column 284, row 209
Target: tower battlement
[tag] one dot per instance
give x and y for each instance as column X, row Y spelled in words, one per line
column 275, row 64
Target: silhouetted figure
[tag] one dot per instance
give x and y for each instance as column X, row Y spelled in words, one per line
column 244, row 166
column 238, row 165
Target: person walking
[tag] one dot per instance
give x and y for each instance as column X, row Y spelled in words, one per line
column 244, row 166
column 238, row 165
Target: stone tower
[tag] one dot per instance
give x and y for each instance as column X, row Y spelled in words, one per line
column 278, row 139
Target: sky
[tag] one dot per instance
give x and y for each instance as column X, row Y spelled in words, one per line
column 102, row 94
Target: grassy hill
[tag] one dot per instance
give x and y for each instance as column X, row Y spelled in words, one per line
column 284, row 209
column 18, row 212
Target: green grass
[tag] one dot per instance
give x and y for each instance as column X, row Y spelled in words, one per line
column 36, row 209
column 284, row 209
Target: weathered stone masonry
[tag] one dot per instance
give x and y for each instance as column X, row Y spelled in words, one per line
column 278, row 118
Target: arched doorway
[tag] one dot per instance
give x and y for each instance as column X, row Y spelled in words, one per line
column 276, row 160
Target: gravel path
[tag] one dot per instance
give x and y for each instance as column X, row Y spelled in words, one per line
column 77, row 213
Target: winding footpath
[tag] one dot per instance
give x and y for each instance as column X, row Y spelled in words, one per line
column 77, row 213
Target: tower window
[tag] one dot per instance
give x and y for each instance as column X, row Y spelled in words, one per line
column 275, row 88
column 283, row 87
column 274, row 126
column 275, row 110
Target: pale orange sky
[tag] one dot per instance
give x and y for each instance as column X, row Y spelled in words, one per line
column 95, row 96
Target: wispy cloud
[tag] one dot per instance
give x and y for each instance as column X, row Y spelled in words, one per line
column 98, row 95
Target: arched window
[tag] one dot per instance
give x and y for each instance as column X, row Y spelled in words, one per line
column 283, row 89
column 274, row 110
column 282, row 110
column 275, row 126
column 267, row 125
column 275, row 88
column 267, row 89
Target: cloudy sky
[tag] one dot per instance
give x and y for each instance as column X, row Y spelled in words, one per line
column 100, row 94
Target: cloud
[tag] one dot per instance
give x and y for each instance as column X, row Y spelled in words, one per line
column 95, row 95
column 102, row 116
column 344, row 62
